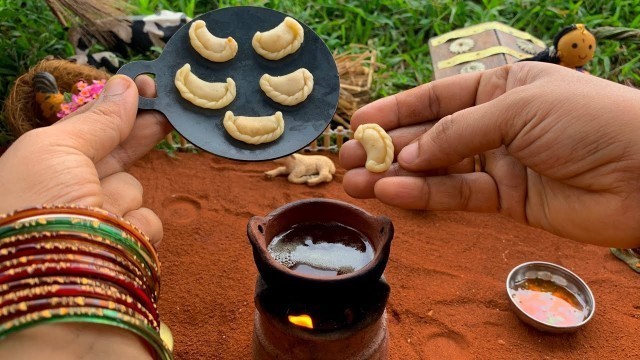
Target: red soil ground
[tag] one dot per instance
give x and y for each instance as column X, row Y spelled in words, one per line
column 447, row 270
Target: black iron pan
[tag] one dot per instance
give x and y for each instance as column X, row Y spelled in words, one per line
column 203, row 127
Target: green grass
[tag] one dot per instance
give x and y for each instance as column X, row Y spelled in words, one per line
column 26, row 36
column 398, row 29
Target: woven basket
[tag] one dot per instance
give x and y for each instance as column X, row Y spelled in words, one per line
column 20, row 109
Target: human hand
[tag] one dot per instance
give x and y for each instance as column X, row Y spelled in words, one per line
column 557, row 149
column 83, row 158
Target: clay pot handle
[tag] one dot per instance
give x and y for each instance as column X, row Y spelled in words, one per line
column 256, row 228
column 385, row 229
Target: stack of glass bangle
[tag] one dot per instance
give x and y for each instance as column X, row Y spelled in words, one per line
column 77, row 264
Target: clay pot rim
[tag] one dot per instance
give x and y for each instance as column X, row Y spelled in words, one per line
column 381, row 251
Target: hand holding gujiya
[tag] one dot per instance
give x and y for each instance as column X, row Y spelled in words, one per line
column 558, row 150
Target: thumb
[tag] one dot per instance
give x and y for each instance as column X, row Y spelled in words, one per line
column 464, row 134
column 109, row 120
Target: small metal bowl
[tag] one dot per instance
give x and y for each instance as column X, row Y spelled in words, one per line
column 560, row 277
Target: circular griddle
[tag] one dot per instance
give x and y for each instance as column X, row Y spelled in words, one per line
column 203, row 127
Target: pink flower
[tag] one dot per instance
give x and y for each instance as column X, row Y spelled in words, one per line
column 81, row 85
column 97, row 89
column 87, row 93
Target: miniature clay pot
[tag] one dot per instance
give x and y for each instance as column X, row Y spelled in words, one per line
column 262, row 230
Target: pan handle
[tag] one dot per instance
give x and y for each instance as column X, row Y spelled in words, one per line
column 135, row 68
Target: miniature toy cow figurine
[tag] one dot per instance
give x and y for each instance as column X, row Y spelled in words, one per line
column 309, row 169
column 139, row 35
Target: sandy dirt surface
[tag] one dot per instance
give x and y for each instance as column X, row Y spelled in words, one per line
column 447, row 270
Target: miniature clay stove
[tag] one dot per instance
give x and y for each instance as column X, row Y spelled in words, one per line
column 321, row 299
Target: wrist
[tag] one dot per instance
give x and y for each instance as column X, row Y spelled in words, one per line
column 74, row 341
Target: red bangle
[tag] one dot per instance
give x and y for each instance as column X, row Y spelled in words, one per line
column 76, row 243
column 71, row 290
column 73, row 269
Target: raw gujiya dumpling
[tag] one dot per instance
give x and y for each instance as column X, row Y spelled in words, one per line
column 290, row 89
column 209, row 95
column 254, row 130
column 209, row 46
column 280, row 41
column 378, row 145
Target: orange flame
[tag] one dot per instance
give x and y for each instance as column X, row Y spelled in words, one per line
column 303, row 320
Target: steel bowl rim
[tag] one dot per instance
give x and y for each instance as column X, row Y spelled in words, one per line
column 588, row 296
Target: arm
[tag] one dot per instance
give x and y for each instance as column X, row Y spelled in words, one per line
column 82, row 160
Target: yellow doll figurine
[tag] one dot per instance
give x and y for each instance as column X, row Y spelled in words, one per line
column 573, row 47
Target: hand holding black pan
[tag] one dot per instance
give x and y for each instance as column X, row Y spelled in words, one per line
column 202, row 127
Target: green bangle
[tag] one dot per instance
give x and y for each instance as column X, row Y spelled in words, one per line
column 15, row 310
column 75, row 224
column 90, row 315
column 77, row 210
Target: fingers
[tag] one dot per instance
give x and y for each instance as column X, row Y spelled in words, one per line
column 360, row 182
column 464, row 192
column 461, row 135
column 147, row 221
column 453, row 100
column 109, row 120
column 122, row 193
column 473, row 130
column 512, row 182
column 149, row 129
column 352, row 153
column 146, row 86
column 123, row 197
column 427, row 102
column 495, row 121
